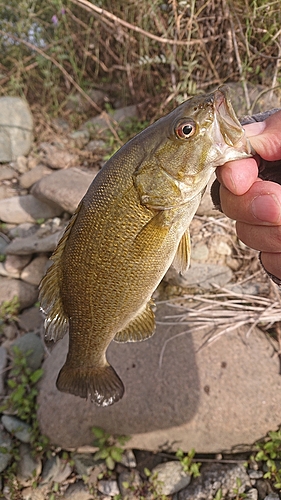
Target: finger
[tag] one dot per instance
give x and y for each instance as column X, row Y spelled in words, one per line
column 265, row 137
column 262, row 238
column 260, row 205
column 238, row 176
column 272, row 263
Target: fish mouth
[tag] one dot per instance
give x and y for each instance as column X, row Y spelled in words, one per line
column 229, row 136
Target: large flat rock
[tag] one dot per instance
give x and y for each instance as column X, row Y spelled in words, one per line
column 64, row 187
column 211, row 398
column 16, row 128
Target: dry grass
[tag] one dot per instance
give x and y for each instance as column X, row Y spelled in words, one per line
column 165, row 50
column 222, row 312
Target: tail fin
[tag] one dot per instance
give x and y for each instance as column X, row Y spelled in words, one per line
column 101, row 384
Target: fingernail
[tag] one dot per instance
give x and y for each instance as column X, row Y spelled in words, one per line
column 266, row 208
column 256, row 128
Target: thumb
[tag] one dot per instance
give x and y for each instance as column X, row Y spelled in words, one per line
column 265, row 137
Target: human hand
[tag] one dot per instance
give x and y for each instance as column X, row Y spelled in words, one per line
column 254, row 203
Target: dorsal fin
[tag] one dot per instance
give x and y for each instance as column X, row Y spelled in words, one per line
column 56, row 322
column 182, row 258
column 140, row 328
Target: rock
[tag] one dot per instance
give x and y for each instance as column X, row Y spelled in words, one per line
column 108, row 487
column 61, row 125
column 96, row 144
column 77, row 102
column 102, row 121
column 34, row 272
column 213, row 477
column 23, row 230
column 35, row 243
column 18, row 209
column 7, row 172
column 200, row 276
column 252, row 494
column 5, row 450
column 9, row 288
column 14, row 264
column 223, row 248
column 272, row 496
column 10, row 331
column 84, row 463
column 255, row 474
column 29, row 467
column 7, row 192
column 31, row 320
column 21, row 430
column 16, row 128
column 128, row 459
column 77, row 491
column 58, row 157
column 182, row 391
column 65, row 188
column 29, row 178
column 31, row 493
column 21, row 164
column 31, row 342
column 79, row 138
column 4, row 241
column 129, row 483
column 200, row 252
column 55, row 470
column 49, row 469
column 3, row 363
column 170, row 478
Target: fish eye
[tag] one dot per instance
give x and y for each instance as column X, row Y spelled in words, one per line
column 185, row 129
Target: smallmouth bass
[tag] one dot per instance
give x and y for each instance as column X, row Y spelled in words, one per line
column 131, row 225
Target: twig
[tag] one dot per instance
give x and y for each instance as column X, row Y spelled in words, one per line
column 105, row 115
column 102, row 12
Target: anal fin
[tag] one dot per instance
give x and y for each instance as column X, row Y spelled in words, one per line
column 140, row 328
column 182, row 258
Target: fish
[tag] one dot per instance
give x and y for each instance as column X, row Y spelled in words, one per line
column 129, row 228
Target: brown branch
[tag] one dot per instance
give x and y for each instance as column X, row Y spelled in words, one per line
column 110, row 122
column 102, row 12
column 58, row 65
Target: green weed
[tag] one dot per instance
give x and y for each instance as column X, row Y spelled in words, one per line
column 269, row 452
column 9, row 310
column 110, row 447
column 187, row 462
column 21, row 400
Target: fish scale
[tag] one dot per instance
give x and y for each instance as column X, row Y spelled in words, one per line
column 131, row 225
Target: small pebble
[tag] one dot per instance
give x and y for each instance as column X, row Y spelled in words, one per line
column 255, row 474
column 251, row 494
column 21, row 164
column 171, row 477
column 108, row 487
column 6, row 446
column 29, row 467
column 3, row 363
column 21, row 430
column 31, row 342
column 128, row 459
column 84, row 463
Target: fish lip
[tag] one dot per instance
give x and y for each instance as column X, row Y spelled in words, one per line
column 228, row 126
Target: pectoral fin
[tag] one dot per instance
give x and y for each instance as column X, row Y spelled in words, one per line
column 182, row 258
column 140, row 328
